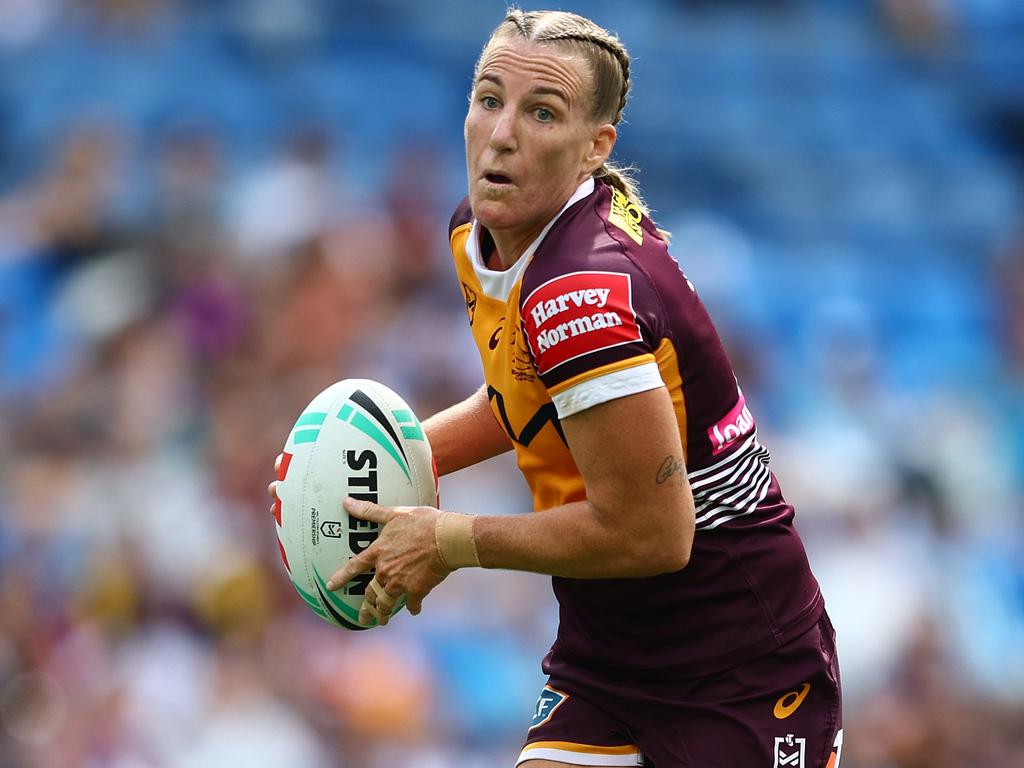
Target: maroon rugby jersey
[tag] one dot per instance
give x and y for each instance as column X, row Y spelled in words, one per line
column 597, row 309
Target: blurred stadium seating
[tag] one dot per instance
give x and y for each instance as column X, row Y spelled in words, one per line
column 186, row 185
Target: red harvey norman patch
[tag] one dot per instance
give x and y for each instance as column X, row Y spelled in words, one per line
column 577, row 314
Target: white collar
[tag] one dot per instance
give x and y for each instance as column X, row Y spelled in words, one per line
column 498, row 283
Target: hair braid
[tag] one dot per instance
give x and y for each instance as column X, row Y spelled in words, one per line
column 606, row 43
column 518, row 17
column 624, row 61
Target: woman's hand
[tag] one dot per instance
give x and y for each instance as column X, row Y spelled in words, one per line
column 272, row 488
column 405, row 557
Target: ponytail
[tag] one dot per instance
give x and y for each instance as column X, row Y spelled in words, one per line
column 621, row 177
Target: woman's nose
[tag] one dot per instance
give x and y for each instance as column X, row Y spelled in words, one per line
column 503, row 136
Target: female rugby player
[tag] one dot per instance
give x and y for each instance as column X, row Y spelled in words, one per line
column 691, row 632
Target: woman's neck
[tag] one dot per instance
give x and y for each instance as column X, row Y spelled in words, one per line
column 509, row 247
column 511, row 244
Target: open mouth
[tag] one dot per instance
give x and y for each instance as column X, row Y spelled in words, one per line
column 497, row 178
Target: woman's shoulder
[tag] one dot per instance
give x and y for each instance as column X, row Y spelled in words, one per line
column 605, row 225
column 604, row 232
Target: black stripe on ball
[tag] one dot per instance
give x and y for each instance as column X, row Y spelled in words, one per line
column 363, row 400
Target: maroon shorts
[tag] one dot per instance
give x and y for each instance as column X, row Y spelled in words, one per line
column 782, row 710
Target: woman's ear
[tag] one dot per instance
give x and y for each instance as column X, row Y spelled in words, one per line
column 601, row 146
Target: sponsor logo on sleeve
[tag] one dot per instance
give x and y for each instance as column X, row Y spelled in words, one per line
column 625, row 215
column 737, row 423
column 577, row 314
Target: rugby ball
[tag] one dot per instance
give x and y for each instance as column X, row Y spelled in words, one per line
column 356, row 438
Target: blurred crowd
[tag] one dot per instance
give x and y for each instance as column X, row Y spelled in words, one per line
column 209, row 211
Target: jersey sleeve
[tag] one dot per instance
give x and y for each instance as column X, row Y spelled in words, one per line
column 593, row 333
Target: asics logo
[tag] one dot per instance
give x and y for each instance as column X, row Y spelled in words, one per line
column 790, row 702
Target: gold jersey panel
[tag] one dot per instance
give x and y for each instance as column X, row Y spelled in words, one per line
column 519, row 400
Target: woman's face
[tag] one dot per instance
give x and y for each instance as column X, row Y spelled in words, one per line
column 530, row 140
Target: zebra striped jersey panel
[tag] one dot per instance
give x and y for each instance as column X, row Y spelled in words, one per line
column 732, row 487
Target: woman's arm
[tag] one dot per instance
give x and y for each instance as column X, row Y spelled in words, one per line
column 465, row 434
column 637, row 520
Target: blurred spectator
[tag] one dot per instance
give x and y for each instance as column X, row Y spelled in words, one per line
column 1009, row 290
column 23, row 22
column 285, row 204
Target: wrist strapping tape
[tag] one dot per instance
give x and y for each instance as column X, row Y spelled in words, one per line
column 455, row 542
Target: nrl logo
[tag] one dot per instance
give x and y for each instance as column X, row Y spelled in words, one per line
column 790, row 752
column 331, row 528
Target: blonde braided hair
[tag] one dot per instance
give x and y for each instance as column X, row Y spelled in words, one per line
column 610, row 63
